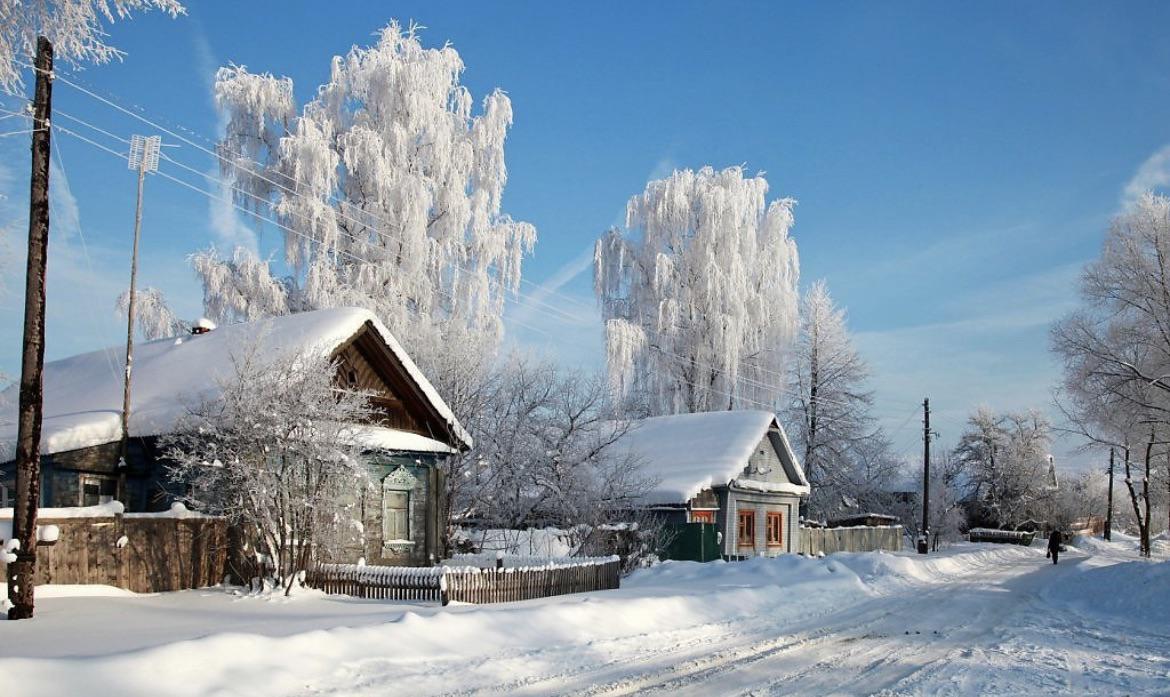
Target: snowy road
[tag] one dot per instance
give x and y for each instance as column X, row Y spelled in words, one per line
column 990, row 629
column 971, row 620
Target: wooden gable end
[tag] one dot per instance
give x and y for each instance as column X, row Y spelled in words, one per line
column 366, row 363
column 769, row 461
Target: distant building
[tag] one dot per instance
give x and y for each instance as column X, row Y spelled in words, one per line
column 733, row 469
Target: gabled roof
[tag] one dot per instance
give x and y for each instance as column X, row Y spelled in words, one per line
column 83, row 393
column 692, row 452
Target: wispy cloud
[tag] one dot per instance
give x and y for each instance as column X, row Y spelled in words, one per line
column 227, row 226
column 992, row 349
column 63, row 210
column 1152, row 175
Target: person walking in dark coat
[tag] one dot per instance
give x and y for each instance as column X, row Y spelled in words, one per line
column 1054, row 541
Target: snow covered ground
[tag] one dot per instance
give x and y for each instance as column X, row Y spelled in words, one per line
column 975, row 619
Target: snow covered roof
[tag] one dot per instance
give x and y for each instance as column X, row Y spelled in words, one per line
column 692, row 452
column 83, row 393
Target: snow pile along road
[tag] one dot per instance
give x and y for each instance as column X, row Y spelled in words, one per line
column 845, row 624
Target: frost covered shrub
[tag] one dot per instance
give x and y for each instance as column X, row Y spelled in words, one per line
column 276, row 453
column 543, row 454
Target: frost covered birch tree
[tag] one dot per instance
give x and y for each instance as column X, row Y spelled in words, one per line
column 1116, row 349
column 275, row 452
column 153, row 315
column 387, row 189
column 75, row 28
column 699, row 292
column 844, row 456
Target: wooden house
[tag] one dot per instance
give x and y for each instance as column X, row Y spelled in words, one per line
column 81, row 439
column 732, row 469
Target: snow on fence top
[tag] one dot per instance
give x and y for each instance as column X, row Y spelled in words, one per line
column 990, row 535
column 375, row 574
column 688, row 453
column 106, row 510
column 488, row 561
column 83, row 396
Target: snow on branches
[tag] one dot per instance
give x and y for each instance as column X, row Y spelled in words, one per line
column 73, row 26
column 699, row 295
column 388, row 190
column 278, row 454
column 154, row 317
column 846, row 458
column 1116, row 348
column 1005, row 461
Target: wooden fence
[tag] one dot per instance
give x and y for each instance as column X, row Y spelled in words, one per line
column 143, row 553
column 467, row 584
column 861, row 538
column 381, row 582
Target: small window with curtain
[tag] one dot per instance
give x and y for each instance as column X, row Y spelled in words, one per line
column 702, row 516
column 775, row 529
column 747, row 528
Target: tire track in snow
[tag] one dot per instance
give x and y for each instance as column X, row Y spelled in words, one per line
column 866, row 648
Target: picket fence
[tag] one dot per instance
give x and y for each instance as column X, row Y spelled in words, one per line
column 468, row 584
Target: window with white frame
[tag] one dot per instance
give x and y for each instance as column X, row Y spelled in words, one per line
column 96, row 490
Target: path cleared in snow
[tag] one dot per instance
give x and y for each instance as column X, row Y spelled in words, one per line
column 976, row 619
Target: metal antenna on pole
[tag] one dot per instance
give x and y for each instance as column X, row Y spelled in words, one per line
column 143, row 157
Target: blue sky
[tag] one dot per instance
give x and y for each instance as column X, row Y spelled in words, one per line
column 955, row 164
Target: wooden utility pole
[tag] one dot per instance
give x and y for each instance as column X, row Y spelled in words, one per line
column 28, row 434
column 924, row 538
column 1109, row 512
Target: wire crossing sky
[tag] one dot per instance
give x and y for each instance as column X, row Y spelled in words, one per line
column 954, row 167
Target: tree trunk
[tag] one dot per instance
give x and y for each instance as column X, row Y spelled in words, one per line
column 1143, row 522
column 1109, row 512
column 28, row 440
column 1145, row 529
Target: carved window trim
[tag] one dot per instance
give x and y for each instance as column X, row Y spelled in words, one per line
column 397, row 485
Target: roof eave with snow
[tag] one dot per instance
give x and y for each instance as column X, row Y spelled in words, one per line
column 83, row 392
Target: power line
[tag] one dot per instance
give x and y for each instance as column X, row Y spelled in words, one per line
column 564, row 316
column 280, row 186
column 89, row 265
column 780, row 390
column 738, row 379
column 212, row 196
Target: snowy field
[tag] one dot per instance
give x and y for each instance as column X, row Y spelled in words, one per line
column 975, row 619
